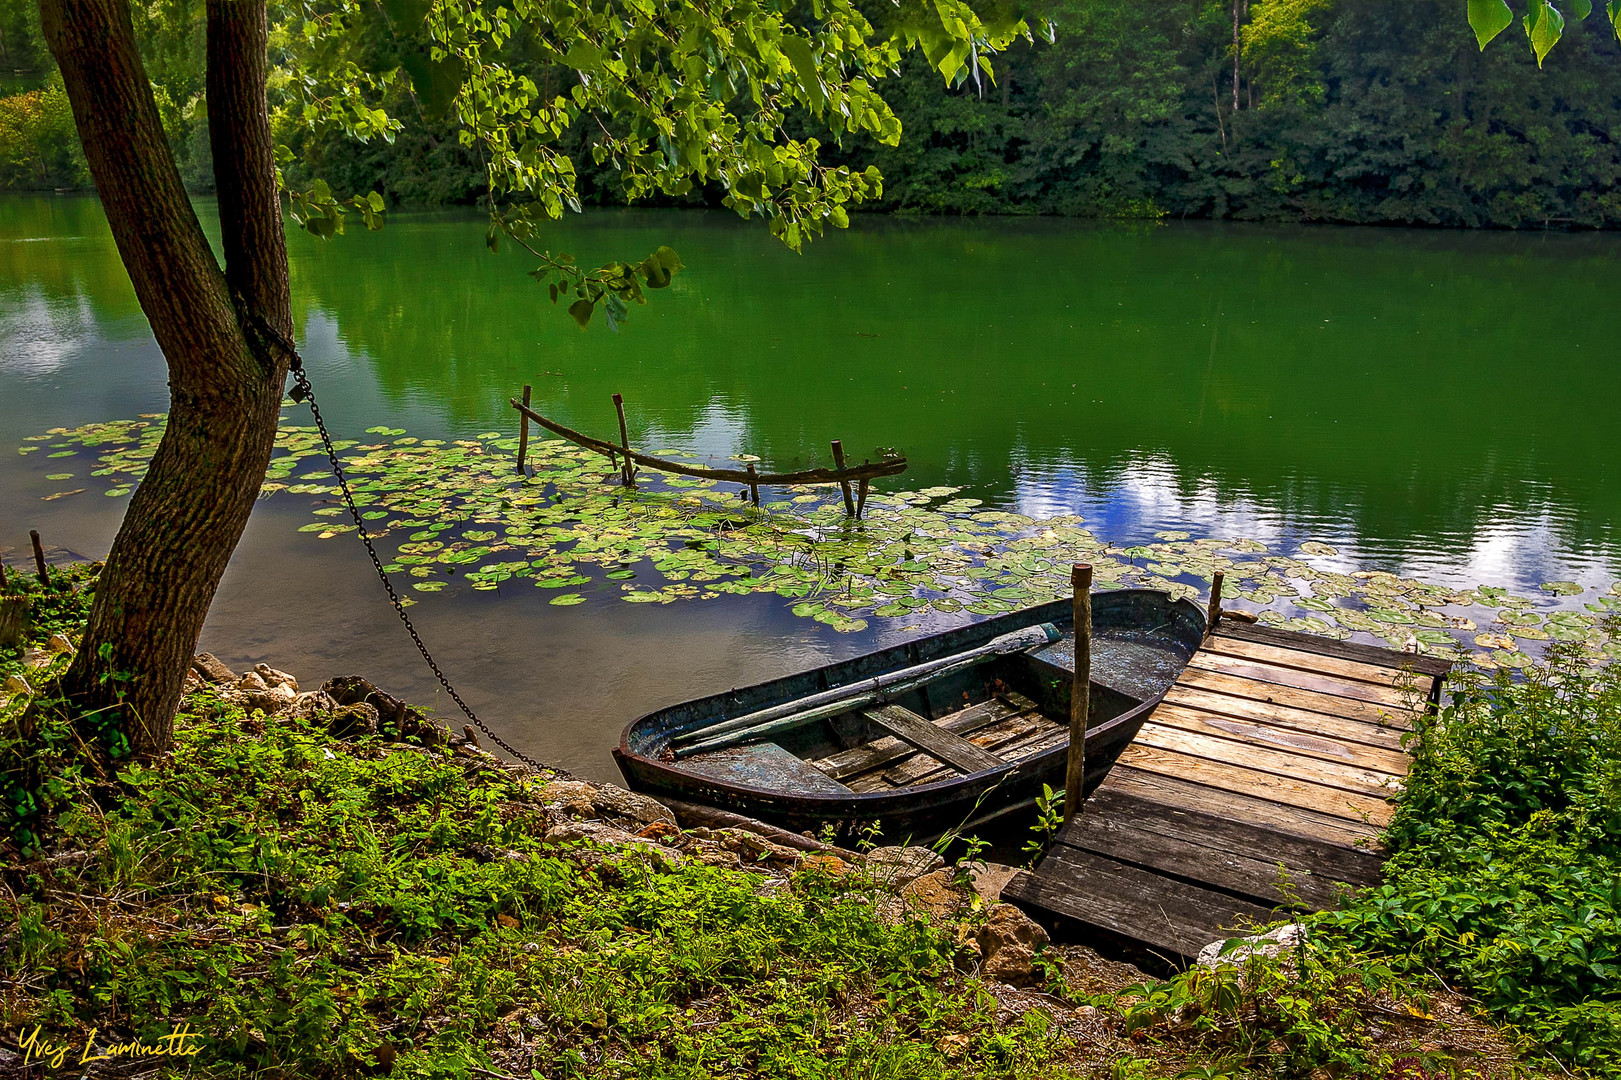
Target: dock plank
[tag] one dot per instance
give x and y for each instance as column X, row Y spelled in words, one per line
column 1389, row 696
column 1180, row 795
column 1119, row 808
column 1386, row 737
column 1379, row 674
column 1301, row 756
column 1432, row 666
column 1246, row 877
column 1259, row 781
column 1138, row 904
column 1335, row 802
column 1311, row 700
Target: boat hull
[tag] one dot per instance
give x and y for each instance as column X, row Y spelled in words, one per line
column 1174, row 628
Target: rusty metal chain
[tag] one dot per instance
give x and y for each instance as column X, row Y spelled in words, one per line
column 304, row 392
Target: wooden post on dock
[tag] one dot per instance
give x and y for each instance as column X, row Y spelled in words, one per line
column 1080, row 695
column 523, row 430
column 39, row 559
column 754, row 488
column 1215, row 603
column 838, row 463
column 627, row 471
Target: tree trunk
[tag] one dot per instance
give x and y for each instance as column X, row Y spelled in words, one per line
column 218, row 331
column 1237, row 49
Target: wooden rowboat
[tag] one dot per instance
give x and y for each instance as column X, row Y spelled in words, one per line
column 925, row 736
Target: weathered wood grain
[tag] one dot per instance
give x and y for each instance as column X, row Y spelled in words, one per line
column 934, row 740
column 1290, row 792
column 1181, row 794
column 1388, row 696
column 1383, row 736
column 1288, row 766
column 1113, row 806
column 1294, row 697
column 1379, row 675
column 1158, row 911
column 859, row 759
column 1348, row 650
column 1282, row 739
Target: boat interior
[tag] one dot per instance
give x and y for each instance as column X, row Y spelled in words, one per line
column 1007, row 710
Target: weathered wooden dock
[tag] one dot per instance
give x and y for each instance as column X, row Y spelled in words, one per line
column 1257, row 787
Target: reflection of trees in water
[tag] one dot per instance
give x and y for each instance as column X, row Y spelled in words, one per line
column 60, row 249
column 1405, row 382
column 1323, row 373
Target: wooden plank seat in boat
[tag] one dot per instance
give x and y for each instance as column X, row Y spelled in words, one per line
column 933, row 739
column 889, row 749
column 1013, row 737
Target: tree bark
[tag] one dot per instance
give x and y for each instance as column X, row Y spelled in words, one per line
column 218, row 332
column 1237, row 49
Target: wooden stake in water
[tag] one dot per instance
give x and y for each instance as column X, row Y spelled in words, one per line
column 39, row 558
column 861, row 496
column 1215, row 603
column 754, row 488
column 628, row 471
column 838, row 463
column 523, row 430
column 1080, row 695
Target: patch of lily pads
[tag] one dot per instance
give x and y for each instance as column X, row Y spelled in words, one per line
column 443, row 511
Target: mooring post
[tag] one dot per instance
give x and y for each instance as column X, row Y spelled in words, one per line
column 861, row 496
column 1080, row 695
column 838, row 463
column 1215, row 603
column 13, row 614
column 39, row 558
column 523, row 429
column 754, row 488
column 13, row 617
column 627, row 471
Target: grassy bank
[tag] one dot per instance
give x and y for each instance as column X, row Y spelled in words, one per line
column 320, row 907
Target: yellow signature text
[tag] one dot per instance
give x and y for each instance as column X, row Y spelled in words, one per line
column 36, row 1047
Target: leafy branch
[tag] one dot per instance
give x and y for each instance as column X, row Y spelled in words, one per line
column 1544, row 24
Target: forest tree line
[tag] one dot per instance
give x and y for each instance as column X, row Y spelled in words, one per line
column 1358, row 111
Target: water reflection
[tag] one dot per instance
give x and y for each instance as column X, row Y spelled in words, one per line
column 1403, row 396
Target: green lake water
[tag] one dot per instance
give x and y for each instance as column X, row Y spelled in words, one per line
column 1439, row 405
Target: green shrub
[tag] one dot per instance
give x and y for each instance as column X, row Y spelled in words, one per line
column 1506, row 866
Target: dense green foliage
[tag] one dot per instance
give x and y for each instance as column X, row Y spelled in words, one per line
column 1347, row 111
column 1506, row 875
column 312, row 907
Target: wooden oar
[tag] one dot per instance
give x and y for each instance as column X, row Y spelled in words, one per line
column 791, row 714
